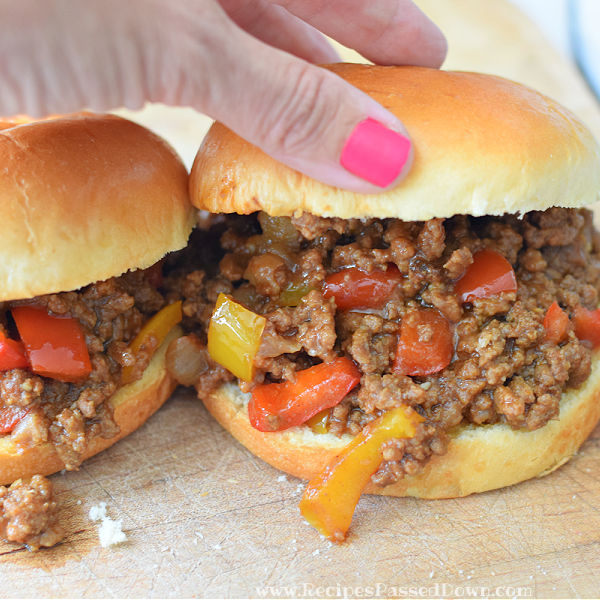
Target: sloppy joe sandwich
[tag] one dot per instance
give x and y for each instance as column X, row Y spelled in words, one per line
column 434, row 340
column 90, row 205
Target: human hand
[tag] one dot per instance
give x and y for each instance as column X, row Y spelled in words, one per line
column 246, row 63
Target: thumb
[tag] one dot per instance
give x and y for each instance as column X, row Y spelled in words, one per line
column 308, row 118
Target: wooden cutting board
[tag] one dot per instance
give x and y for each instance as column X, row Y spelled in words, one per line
column 205, row 518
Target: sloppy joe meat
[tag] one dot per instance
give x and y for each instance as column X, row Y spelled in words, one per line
column 69, row 415
column 503, row 369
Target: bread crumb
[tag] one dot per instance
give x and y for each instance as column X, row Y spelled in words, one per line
column 110, row 532
column 282, row 478
column 98, row 512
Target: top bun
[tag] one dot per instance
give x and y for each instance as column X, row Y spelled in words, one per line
column 483, row 145
column 84, row 198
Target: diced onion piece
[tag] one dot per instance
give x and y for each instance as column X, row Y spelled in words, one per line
column 187, row 359
column 319, row 422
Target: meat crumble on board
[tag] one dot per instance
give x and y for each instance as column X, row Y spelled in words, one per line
column 28, row 513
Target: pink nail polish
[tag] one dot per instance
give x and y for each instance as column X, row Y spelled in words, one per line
column 375, row 153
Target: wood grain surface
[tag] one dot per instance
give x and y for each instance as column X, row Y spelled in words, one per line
column 204, row 518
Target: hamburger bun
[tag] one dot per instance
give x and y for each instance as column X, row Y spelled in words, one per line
column 483, row 145
column 479, row 458
column 87, row 197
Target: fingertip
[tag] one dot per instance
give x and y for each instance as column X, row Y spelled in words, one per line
column 373, row 160
column 376, row 153
column 432, row 41
column 364, row 186
column 438, row 47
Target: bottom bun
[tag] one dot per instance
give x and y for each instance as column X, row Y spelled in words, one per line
column 132, row 405
column 479, row 458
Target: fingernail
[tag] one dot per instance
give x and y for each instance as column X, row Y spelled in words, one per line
column 375, row 153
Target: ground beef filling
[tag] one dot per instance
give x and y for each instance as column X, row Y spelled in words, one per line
column 503, row 369
column 68, row 415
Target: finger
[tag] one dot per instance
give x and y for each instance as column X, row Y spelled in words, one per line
column 387, row 32
column 189, row 53
column 277, row 27
column 307, row 117
column 61, row 56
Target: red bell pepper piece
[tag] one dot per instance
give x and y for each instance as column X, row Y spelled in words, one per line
column 10, row 416
column 353, row 288
column 12, row 354
column 425, row 345
column 488, row 275
column 556, row 323
column 587, row 325
column 55, row 345
column 277, row 406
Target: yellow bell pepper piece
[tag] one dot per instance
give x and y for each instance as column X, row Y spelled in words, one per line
column 234, row 334
column 159, row 327
column 330, row 498
column 318, row 423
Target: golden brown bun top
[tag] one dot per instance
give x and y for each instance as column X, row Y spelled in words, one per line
column 84, row 198
column 483, row 145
